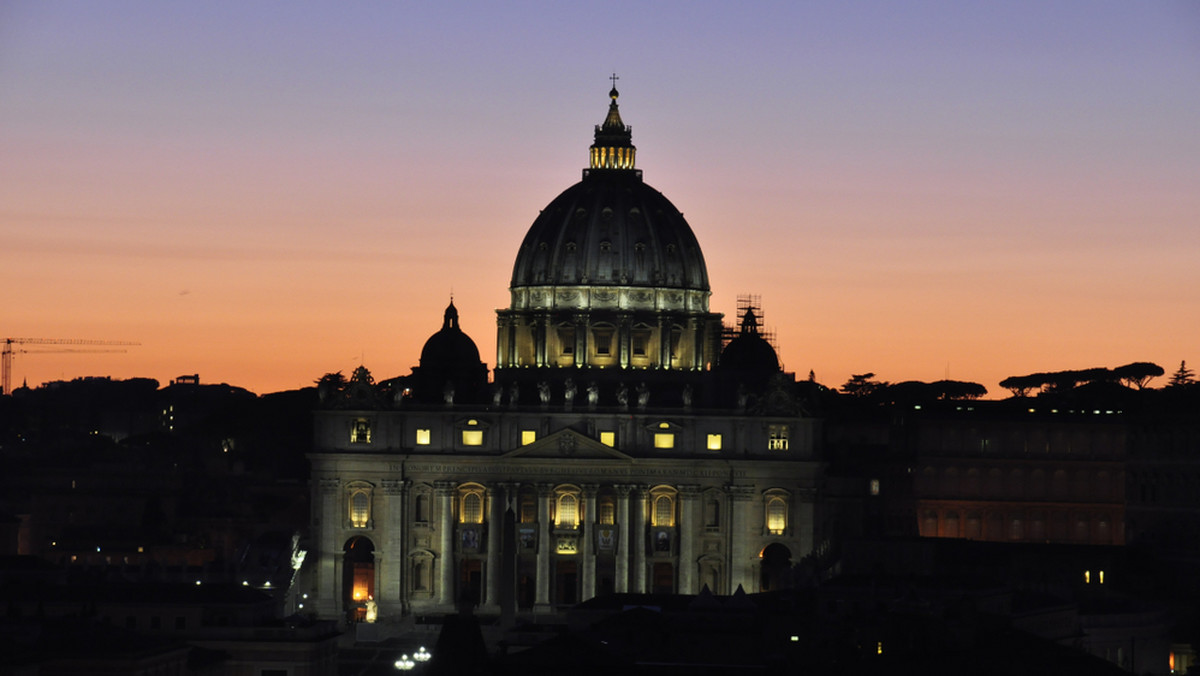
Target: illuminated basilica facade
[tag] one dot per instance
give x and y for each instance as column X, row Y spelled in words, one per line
column 626, row 441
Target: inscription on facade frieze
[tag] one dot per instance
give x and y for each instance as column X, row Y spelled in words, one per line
column 536, row 470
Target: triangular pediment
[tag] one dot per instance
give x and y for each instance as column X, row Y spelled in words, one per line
column 567, row 443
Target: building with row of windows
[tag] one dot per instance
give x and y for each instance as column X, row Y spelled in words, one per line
column 625, row 442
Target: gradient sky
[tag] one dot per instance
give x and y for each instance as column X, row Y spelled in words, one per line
column 263, row 192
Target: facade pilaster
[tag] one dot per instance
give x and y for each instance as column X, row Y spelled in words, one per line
column 739, row 545
column 329, row 575
column 389, row 568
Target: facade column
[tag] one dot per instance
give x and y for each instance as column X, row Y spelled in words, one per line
column 696, row 333
column 542, row 333
column 390, row 567
column 664, row 343
column 739, row 544
column 581, row 340
column 624, row 335
column 637, row 540
column 541, row 597
column 445, row 497
column 587, row 535
column 687, row 528
column 495, row 524
column 621, row 584
column 501, row 341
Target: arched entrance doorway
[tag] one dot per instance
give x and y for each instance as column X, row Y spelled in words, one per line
column 358, row 577
column 776, row 563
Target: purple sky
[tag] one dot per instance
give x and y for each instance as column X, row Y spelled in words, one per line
column 265, row 192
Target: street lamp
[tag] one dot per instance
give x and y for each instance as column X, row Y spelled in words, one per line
column 422, row 655
column 405, row 663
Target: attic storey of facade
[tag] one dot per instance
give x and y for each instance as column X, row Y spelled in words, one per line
column 603, row 456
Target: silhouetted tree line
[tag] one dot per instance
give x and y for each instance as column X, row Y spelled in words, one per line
column 864, row 386
column 1135, row 375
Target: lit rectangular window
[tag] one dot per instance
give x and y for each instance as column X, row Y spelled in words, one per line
column 608, row 513
column 608, row 438
column 602, row 338
column 423, row 437
column 777, row 439
column 664, row 440
column 639, row 342
column 874, row 486
column 472, row 508
column 714, row 442
column 566, row 340
column 566, row 515
column 472, row 437
column 361, row 432
column 528, row 437
column 360, row 509
column 776, row 516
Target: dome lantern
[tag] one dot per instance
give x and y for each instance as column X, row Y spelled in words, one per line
column 613, row 147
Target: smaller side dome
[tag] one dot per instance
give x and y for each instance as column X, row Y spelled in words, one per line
column 749, row 352
column 450, row 369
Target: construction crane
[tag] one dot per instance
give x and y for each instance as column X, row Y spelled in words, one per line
column 13, row 346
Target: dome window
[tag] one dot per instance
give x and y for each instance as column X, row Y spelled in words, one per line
column 603, row 335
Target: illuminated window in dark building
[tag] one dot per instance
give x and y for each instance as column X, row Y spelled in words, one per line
column 664, row 511
column 776, row 516
column 608, row 512
column 777, row 437
column 472, row 508
column 361, row 432
column 664, row 439
column 423, row 437
column 608, row 438
column 714, row 442
column 567, row 516
column 360, row 509
column 528, row 437
column 472, row 435
column 358, row 500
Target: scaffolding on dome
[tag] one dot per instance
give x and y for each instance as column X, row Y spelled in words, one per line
column 749, row 303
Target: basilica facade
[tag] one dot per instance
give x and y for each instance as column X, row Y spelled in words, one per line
column 626, row 441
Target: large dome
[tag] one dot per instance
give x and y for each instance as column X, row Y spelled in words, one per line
column 611, row 229
column 609, row 279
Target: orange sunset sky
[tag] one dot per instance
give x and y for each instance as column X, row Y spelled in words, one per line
column 261, row 193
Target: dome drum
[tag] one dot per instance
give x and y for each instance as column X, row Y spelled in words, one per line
column 581, row 297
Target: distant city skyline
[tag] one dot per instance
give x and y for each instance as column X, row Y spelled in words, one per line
column 262, row 194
